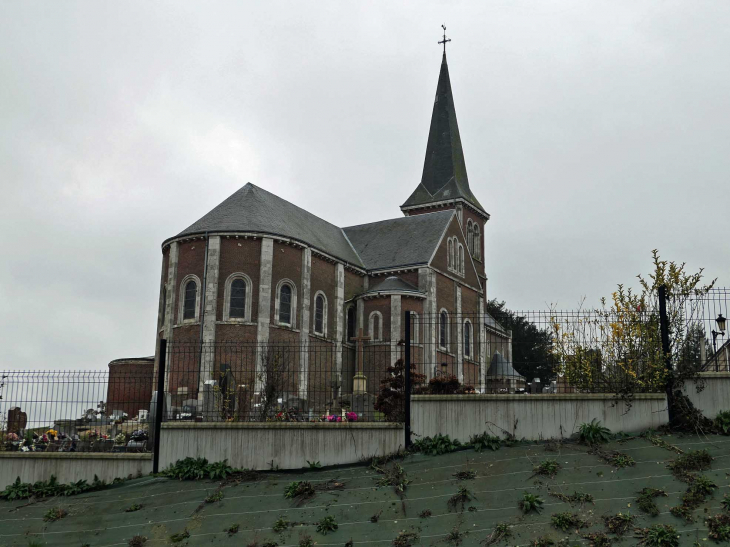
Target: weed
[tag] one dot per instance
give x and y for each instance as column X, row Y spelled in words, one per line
column 620, row 523
column 394, row 476
column 646, row 502
column 314, row 465
column 622, row 460
column 460, row 498
column 305, row 540
column 45, row 489
column 568, row 521
column 326, row 525
column 132, row 508
column 466, row 475
column 270, row 544
column 455, row 537
column 231, row 530
column 214, row 497
column 543, row 541
column 425, row 514
column 181, row 536
column 35, row 543
column 659, row 535
column 137, row 541
column 531, row 502
column 436, row 445
column 598, row 539
column 376, row 517
column 575, row 497
column 722, row 422
column 405, row 539
column 594, row 433
column 300, row 490
column 725, row 502
column 485, row 440
column 500, row 532
column 548, row 468
column 694, row 460
column 699, row 489
column 52, row 515
column 658, row 441
column 719, row 527
column 280, row 525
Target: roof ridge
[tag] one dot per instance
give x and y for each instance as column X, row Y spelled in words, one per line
column 399, row 218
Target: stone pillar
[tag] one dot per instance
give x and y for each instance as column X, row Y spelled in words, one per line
column 427, row 285
column 395, row 322
column 480, row 331
column 304, row 330
column 339, row 319
column 459, row 335
column 210, row 311
column 170, row 307
column 264, row 315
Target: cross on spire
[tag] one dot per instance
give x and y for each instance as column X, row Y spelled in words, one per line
column 445, row 40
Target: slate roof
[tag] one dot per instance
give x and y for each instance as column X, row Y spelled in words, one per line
column 491, row 322
column 500, row 367
column 253, row 209
column 393, row 283
column 444, row 169
column 398, row 242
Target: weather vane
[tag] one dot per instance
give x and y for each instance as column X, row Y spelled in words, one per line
column 445, row 39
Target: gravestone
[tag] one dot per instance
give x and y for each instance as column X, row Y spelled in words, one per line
column 210, row 407
column 17, row 420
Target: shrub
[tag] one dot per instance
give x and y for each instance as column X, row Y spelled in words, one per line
column 485, row 440
column 594, row 432
column 439, row 444
column 391, row 399
column 548, row 468
column 722, row 422
column 531, row 502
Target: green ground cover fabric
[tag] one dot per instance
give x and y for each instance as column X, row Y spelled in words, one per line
column 352, row 497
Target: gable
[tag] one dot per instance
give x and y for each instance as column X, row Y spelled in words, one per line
column 440, row 258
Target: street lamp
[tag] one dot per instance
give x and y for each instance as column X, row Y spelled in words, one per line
column 721, row 326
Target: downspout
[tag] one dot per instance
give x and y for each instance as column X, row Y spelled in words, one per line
column 204, row 288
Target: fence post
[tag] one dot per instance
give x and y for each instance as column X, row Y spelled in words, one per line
column 666, row 349
column 159, row 405
column 407, row 387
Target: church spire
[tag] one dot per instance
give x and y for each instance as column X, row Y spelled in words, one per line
column 444, row 175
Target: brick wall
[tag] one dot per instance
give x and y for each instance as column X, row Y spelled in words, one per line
column 239, row 255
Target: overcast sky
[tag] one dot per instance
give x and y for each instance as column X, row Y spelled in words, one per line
column 593, row 132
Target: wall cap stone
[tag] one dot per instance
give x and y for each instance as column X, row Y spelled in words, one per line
column 75, row 456
column 537, row 397
column 712, row 374
column 281, row 425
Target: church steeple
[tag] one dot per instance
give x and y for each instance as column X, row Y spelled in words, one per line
column 444, row 175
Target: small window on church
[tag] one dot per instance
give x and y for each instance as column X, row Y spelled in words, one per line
column 319, row 315
column 477, row 243
column 164, row 304
column 470, row 236
column 350, row 323
column 191, row 295
column 238, row 299
column 467, row 339
column 450, row 251
column 460, row 264
column 285, row 305
column 443, row 329
column 375, row 330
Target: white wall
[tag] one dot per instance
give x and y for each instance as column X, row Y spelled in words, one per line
column 714, row 397
column 283, row 445
column 70, row 466
column 532, row 417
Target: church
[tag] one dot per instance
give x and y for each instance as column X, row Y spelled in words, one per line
column 257, row 270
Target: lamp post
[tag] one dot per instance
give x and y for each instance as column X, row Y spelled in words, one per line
column 721, row 328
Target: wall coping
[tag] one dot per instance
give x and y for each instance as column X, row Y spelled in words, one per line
column 712, row 374
column 281, row 425
column 75, row 455
column 536, row 397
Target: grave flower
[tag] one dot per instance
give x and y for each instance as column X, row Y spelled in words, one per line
column 351, row 416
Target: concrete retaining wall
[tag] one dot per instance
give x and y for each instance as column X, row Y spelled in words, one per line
column 70, row 466
column 531, row 417
column 714, row 396
column 283, row 445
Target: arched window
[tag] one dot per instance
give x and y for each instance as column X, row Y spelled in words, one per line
column 450, row 250
column 237, row 298
column 375, row 326
column 470, row 236
column 350, row 323
column 188, row 310
column 467, row 338
column 455, row 259
column 320, row 314
column 164, row 306
column 461, row 259
column 477, row 242
column 285, row 305
column 443, row 329
column 414, row 328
